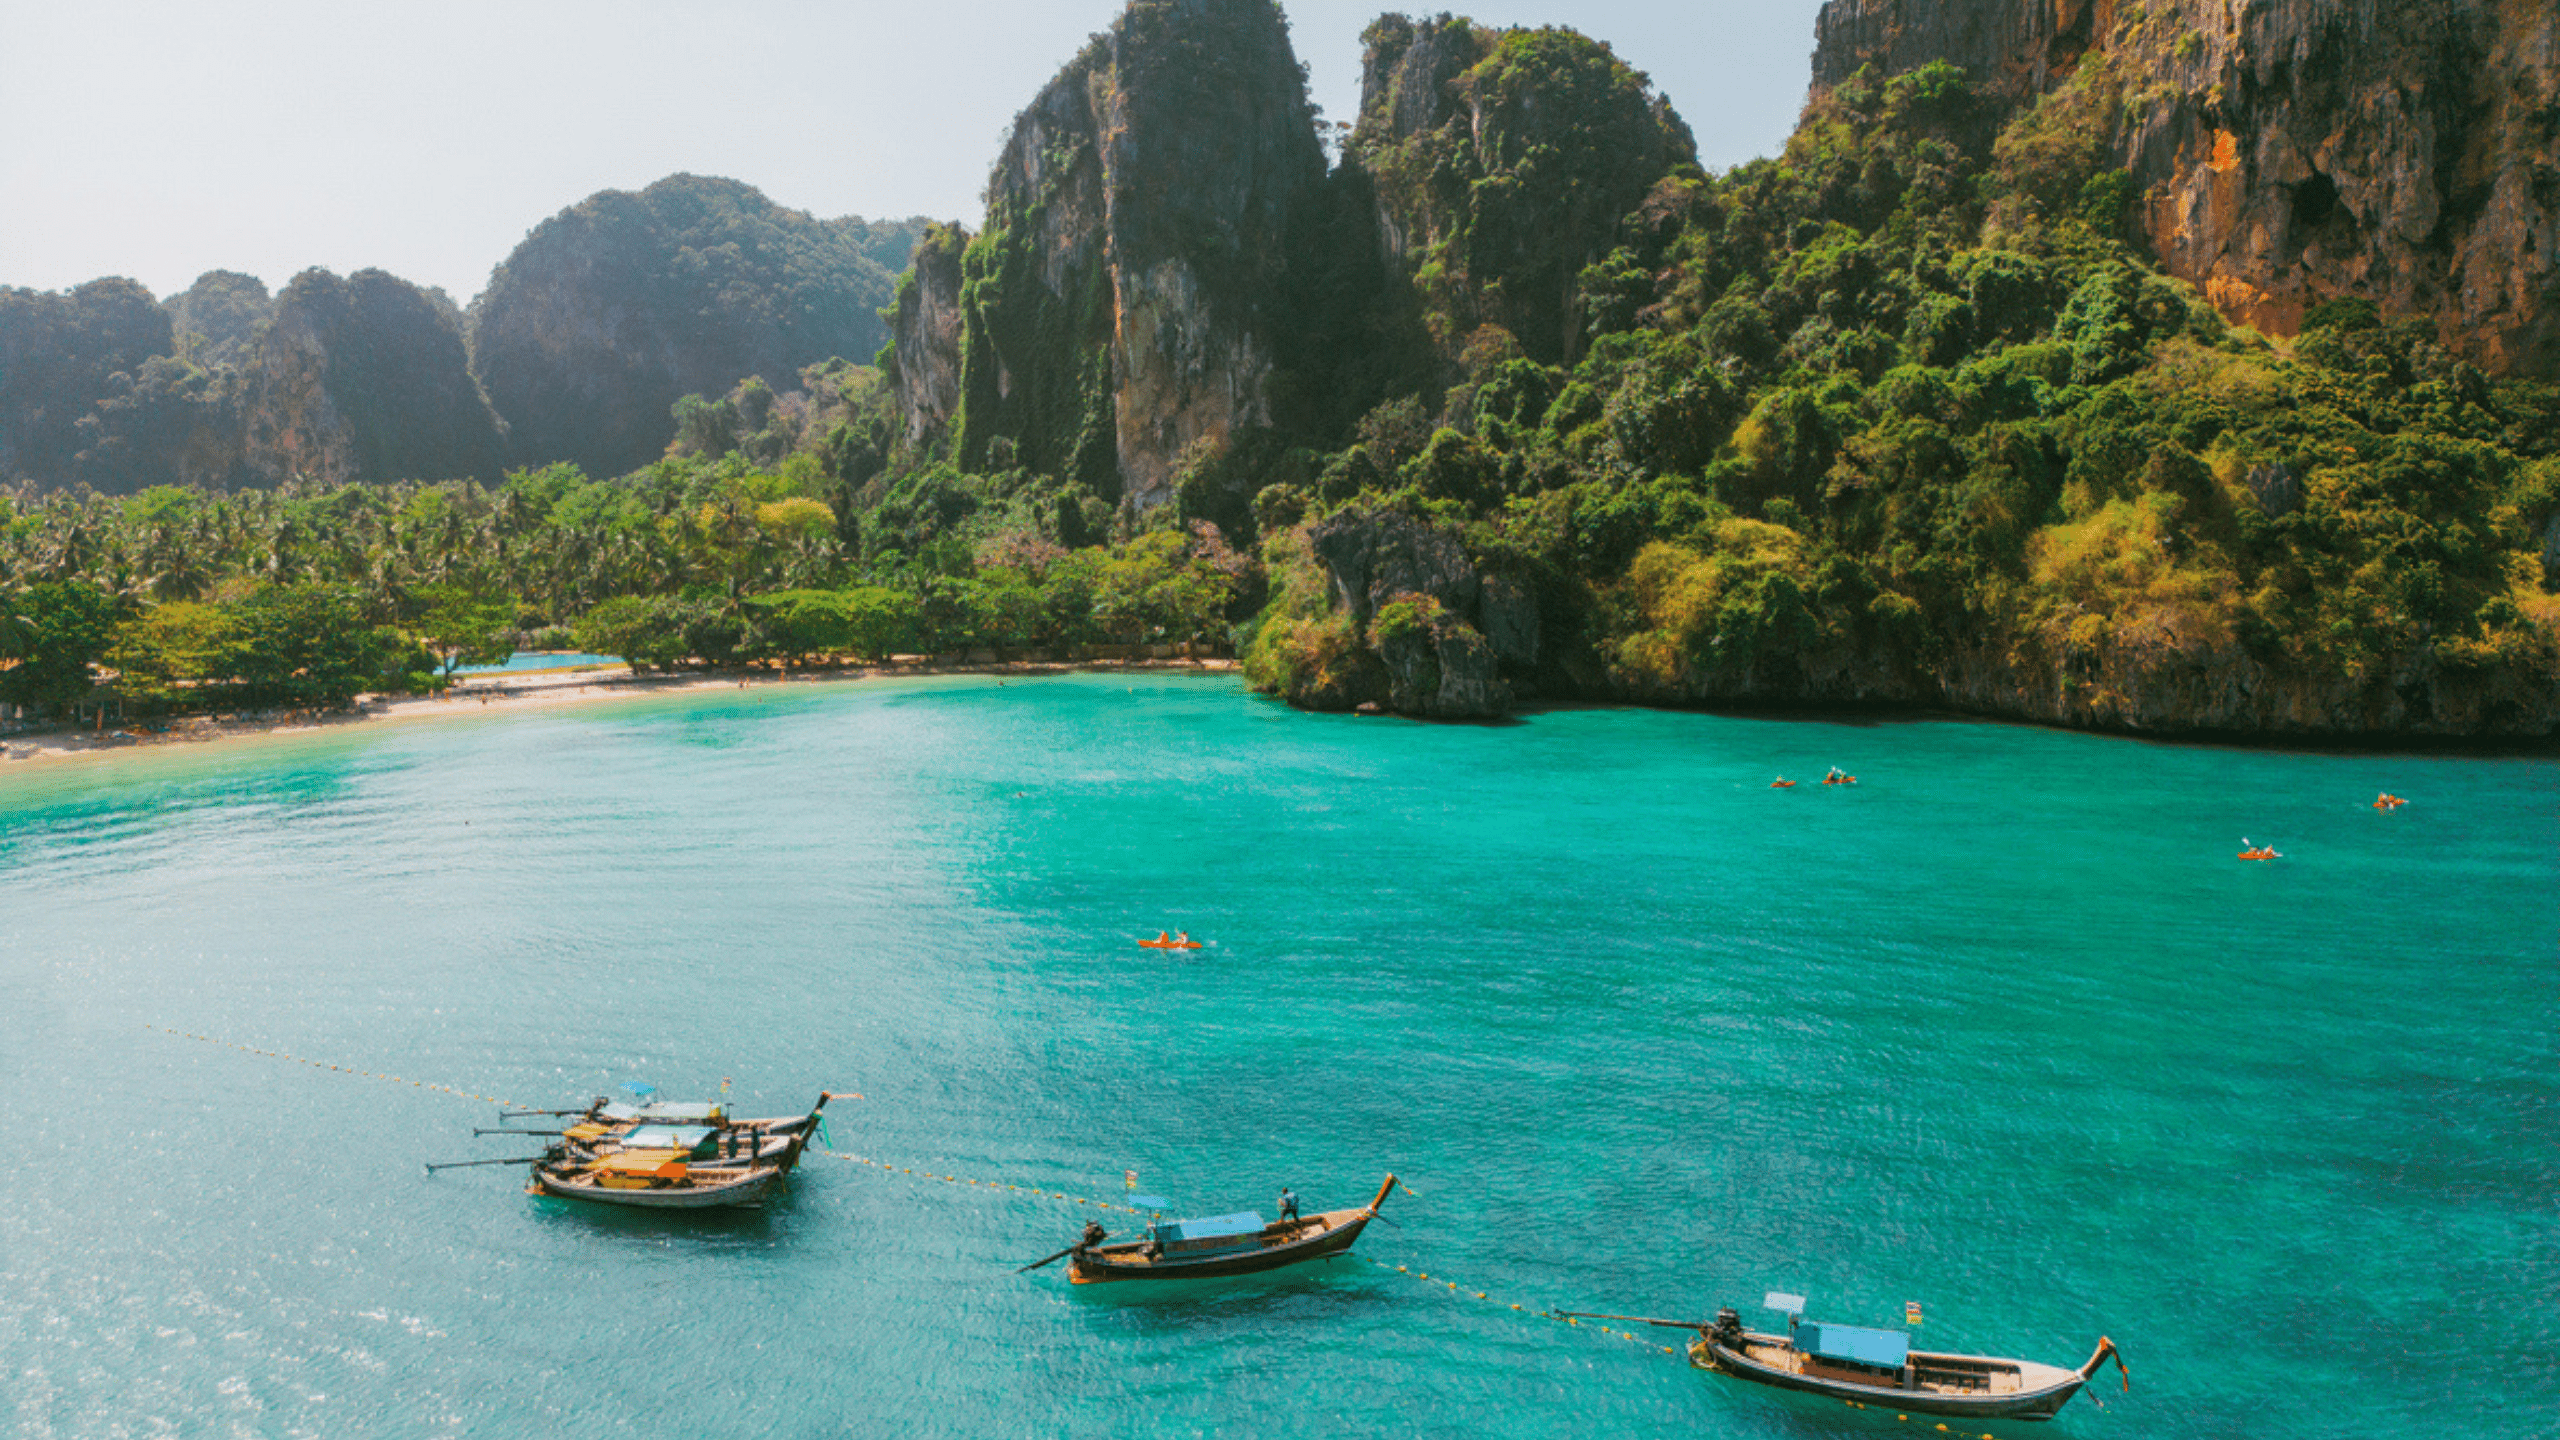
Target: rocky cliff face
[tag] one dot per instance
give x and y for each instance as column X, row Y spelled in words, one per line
column 924, row 333
column 365, row 378
column 616, row 307
column 1440, row 635
column 2156, row 683
column 2296, row 151
column 216, row 320
column 1504, row 161
column 60, row 354
column 1112, row 313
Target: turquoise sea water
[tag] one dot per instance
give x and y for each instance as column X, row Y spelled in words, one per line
column 541, row 660
column 2005, row 1029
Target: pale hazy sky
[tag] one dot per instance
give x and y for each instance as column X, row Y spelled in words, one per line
column 160, row 140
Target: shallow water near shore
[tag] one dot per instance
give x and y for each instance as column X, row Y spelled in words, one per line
column 2004, row 1029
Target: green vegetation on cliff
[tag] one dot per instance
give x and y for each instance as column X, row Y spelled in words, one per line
column 1503, row 162
column 1907, row 414
column 621, row 303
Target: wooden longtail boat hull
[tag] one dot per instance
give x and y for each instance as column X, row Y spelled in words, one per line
column 1282, row 1244
column 2037, row 1391
column 704, row 1189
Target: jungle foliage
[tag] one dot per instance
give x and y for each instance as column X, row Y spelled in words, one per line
column 1913, row 388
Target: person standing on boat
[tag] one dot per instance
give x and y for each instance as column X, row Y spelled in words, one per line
column 1288, row 1204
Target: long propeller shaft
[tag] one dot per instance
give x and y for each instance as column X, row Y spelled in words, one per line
column 467, row 1164
column 1636, row 1319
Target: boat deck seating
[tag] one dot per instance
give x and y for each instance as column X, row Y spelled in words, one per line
column 1848, row 1370
column 1966, row 1377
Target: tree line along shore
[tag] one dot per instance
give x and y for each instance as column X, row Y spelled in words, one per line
column 1493, row 395
column 179, row 601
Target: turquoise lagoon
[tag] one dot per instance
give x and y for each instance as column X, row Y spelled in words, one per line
column 2005, row 1029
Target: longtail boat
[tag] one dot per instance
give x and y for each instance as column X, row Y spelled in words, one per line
column 1223, row 1245
column 694, row 1144
column 669, row 1178
column 655, row 1180
column 1879, row 1367
column 704, row 1132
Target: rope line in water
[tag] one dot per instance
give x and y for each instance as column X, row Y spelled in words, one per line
column 325, row 1065
column 1443, row 1282
column 1454, row 1288
column 982, row 1184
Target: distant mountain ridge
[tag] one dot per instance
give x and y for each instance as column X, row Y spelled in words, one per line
column 589, row 331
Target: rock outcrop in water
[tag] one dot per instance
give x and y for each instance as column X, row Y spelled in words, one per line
column 1114, row 313
column 1441, row 632
column 2288, row 152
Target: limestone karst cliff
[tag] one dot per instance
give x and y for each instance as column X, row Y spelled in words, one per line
column 364, row 378
column 216, row 320
column 1910, row 414
column 924, row 333
column 1504, row 161
column 60, row 354
column 1115, row 312
column 2288, row 152
column 611, row 310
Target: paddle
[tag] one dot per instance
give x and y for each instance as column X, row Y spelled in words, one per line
column 466, row 1164
column 1061, row 1255
column 1638, row 1319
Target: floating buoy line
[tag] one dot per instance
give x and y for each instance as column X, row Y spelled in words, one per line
column 338, row 1069
column 1036, row 1191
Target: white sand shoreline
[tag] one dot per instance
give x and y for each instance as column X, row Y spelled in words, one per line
column 519, row 691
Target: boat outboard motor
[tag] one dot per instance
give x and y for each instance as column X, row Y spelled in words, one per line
column 1728, row 1331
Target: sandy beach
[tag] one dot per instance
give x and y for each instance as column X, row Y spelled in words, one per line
column 516, row 691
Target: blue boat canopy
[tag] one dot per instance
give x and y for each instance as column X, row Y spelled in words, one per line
column 1212, row 1227
column 667, row 1137
column 1886, row 1348
column 665, row 1112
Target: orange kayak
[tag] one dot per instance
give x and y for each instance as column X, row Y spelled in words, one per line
column 1171, row 944
column 2261, row 853
column 1782, row 784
